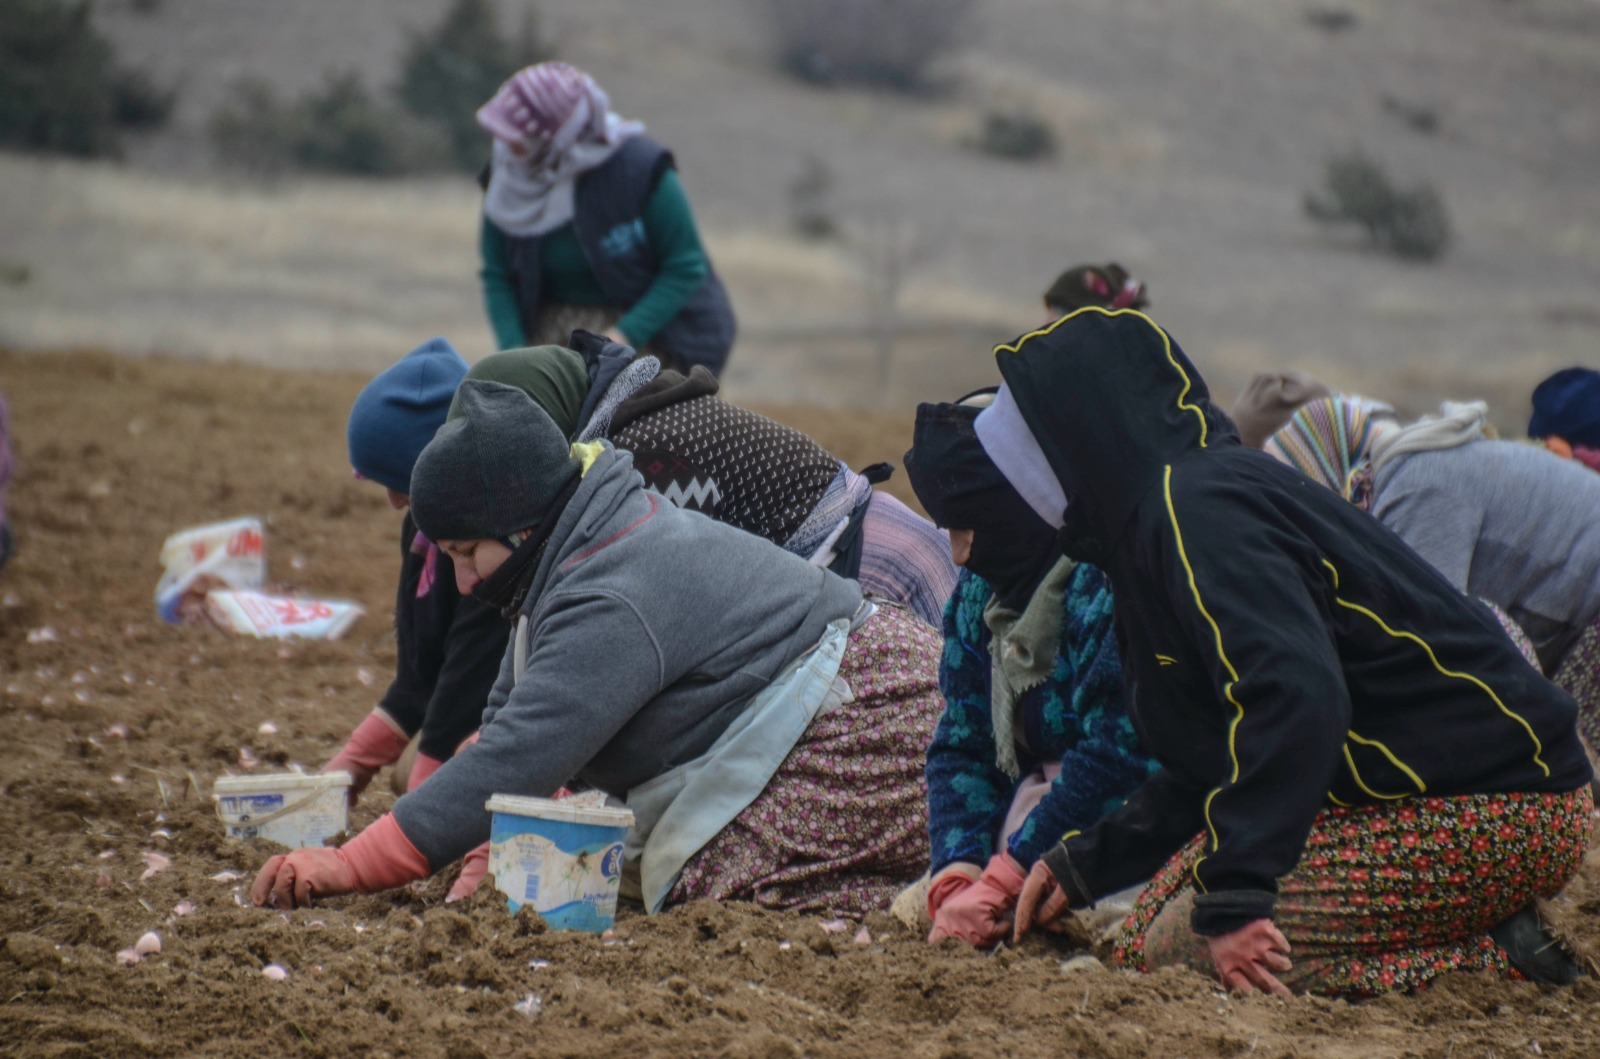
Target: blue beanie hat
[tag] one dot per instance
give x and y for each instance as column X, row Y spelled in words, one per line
column 1567, row 405
column 397, row 413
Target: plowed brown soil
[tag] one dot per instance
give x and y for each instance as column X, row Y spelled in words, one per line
column 113, row 455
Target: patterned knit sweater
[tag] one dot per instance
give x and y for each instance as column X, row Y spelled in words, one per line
column 724, row 461
column 1075, row 717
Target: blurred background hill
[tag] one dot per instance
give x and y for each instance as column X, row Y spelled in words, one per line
column 878, row 230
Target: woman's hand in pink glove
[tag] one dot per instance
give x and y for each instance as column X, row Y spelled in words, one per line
column 1247, row 958
column 290, row 880
column 379, row 858
column 1042, row 903
column 980, row 914
column 377, row 741
column 951, row 880
column 474, row 866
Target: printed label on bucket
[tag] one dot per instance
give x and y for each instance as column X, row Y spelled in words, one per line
column 312, row 820
column 572, row 889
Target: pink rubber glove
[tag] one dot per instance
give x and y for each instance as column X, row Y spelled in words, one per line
column 980, row 914
column 380, row 858
column 1042, row 904
column 421, row 768
column 1247, row 957
column 474, row 866
column 376, row 742
column 951, row 880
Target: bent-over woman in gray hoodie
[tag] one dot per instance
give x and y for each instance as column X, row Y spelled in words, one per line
column 653, row 648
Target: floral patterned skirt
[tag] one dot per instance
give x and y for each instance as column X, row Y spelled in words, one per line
column 1386, row 897
column 843, row 825
column 1579, row 675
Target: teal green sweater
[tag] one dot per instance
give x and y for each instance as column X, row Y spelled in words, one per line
column 568, row 280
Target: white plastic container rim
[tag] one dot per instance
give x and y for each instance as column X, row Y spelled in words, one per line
column 552, row 809
column 280, row 781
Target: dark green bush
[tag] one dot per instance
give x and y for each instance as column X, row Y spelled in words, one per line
column 887, row 42
column 139, row 103
column 339, row 129
column 55, row 80
column 1409, row 223
column 454, row 68
column 1017, row 131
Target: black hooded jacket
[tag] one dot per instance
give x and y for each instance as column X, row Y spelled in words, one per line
column 1282, row 651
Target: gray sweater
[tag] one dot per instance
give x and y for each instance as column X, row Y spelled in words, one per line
column 1506, row 522
column 650, row 629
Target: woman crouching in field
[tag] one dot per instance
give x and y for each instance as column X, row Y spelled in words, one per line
column 650, row 643
column 1364, row 784
column 1034, row 741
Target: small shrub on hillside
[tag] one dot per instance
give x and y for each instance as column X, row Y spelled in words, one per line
column 888, row 42
column 339, row 129
column 139, row 103
column 1017, row 131
column 452, row 70
column 55, row 79
column 1410, row 223
column 811, row 208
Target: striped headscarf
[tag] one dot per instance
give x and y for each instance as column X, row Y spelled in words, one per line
column 1329, row 440
column 562, row 122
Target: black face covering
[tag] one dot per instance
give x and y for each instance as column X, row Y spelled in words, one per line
column 507, row 587
column 961, row 488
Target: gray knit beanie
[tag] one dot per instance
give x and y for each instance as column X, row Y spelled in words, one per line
column 494, row 471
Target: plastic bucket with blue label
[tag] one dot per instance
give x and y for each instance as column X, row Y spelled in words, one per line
column 565, row 860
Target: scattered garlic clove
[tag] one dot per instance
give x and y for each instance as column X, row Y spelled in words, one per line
column 226, row 876
column 863, row 936
column 148, row 944
column 267, row 728
column 274, row 972
column 117, row 731
column 183, row 908
column 154, row 864
column 128, row 957
column 834, row 926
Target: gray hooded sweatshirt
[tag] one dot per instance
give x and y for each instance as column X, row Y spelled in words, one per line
column 1506, row 522
column 650, row 629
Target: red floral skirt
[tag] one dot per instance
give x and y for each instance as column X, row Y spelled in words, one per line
column 1386, row 897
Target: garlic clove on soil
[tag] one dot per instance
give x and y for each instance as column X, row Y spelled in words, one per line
column 128, row 957
column 148, row 944
column 154, row 864
column 274, row 972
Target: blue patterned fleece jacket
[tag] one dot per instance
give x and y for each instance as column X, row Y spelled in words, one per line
column 1075, row 717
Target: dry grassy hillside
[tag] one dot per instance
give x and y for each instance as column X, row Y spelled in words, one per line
column 1189, row 132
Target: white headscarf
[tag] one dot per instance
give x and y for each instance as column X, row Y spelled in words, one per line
column 564, row 120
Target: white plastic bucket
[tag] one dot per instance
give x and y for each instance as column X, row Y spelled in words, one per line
column 294, row 809
column 563, row 859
